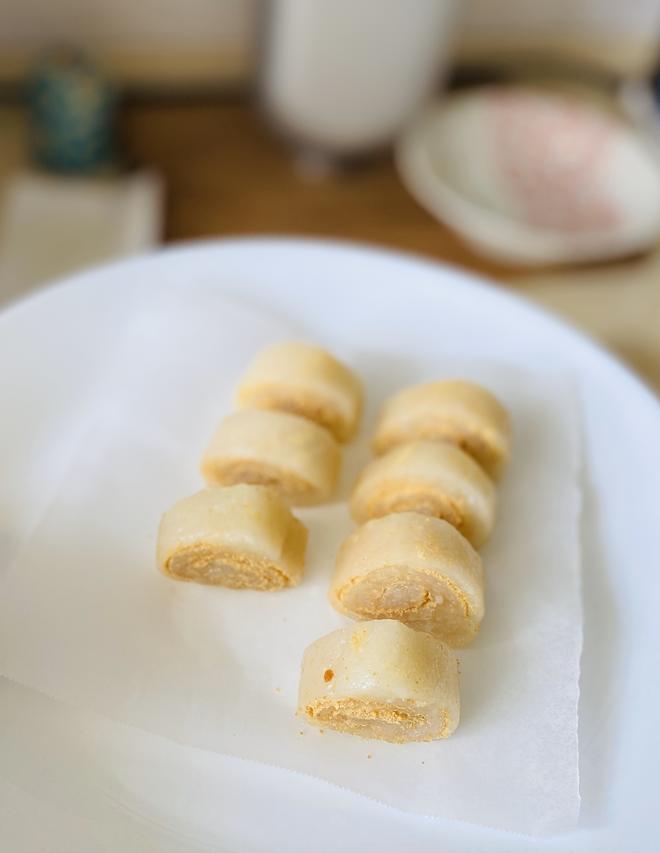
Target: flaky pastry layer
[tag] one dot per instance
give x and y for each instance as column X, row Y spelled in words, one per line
column 243, row 536
column 305, row 380
column 456, row 411
column 414, row 568
column 431, row 478
column 298, row 458
column 380, row 680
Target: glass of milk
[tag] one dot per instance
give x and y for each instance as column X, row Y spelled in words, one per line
column 340, row 77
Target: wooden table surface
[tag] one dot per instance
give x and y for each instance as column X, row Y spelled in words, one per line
column 227, row 173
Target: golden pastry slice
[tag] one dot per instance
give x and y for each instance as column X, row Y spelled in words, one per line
column 380, row 680
column 459, row 412
column 432, row 478
column 243, row 537
column 414, row 568
column 305, row 380
column 297, row 457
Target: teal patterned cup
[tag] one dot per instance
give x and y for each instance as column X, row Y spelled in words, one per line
column 72, row 110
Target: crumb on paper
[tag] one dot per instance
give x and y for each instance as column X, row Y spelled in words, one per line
column 369, row 756
column 278, row 689
column 301, row 732
column 328, row 675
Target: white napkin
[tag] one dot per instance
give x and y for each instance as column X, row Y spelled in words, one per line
column 86, row 618
column 51, row 226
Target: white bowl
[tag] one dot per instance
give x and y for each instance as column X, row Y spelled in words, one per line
column 533, row 177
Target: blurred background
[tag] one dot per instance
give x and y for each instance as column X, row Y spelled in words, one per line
column 517, row 138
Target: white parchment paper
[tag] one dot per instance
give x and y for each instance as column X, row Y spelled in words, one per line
column 86, row 618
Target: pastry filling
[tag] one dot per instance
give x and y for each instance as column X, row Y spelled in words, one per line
column 216, row 567
column 420, row 599
column 402, row 499
column 304, row 404
column 477, row 444
column 403, row 721
column 256, row 473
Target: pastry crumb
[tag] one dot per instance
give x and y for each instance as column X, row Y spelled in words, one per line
column 357, row 638
column 368, row 755
column 278, row 689
column 328, row 675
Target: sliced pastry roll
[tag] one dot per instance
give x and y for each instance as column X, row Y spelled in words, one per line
column 414, row 568
column 432, row 478
column 295, row 456
column 455, row 411
column 305, row 380
column 241, row 536
column 380, row 680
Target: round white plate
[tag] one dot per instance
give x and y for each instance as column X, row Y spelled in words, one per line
column 70, row 781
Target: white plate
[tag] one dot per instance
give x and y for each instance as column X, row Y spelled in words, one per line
column 91, row 784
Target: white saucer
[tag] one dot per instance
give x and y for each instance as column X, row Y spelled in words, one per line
column 534, row 177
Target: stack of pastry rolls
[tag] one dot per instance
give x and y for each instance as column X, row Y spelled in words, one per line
column 425, row 504
column 296, row 403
